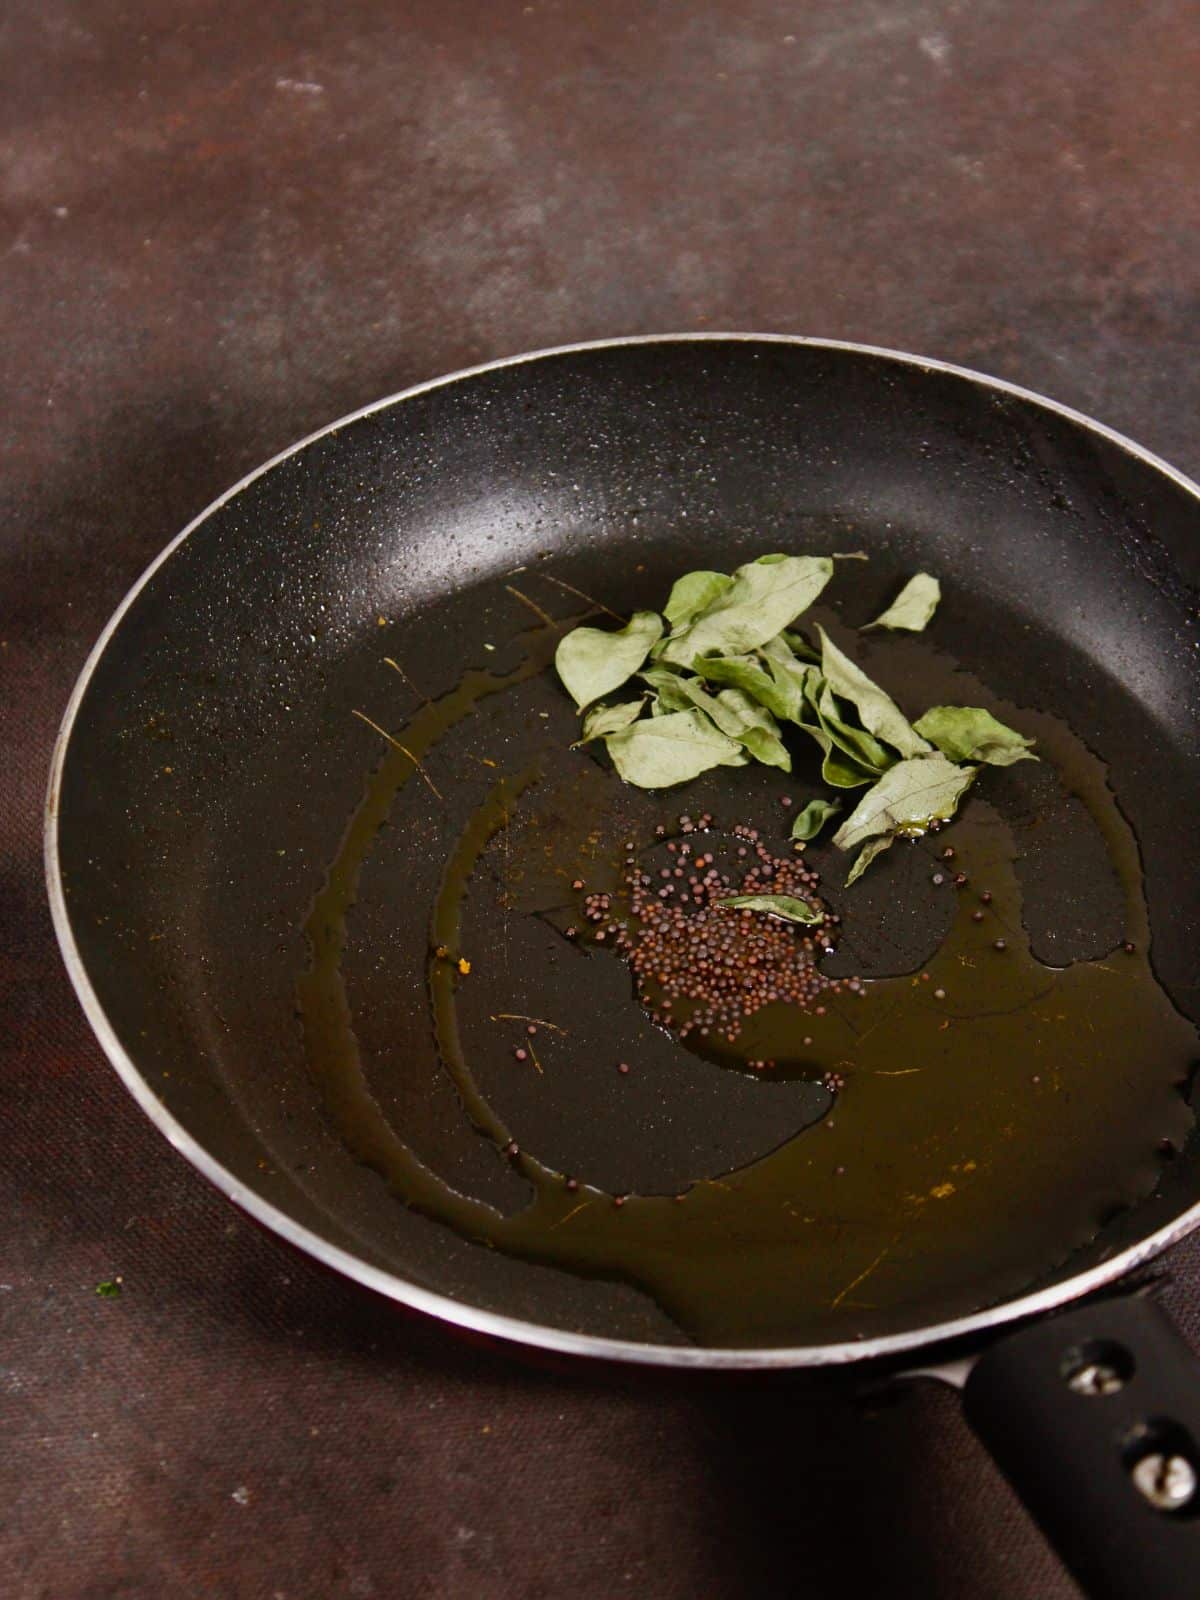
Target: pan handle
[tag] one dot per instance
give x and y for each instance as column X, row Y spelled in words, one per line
column 1094, row 1417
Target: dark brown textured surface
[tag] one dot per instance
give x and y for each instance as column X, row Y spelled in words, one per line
column 222, row 227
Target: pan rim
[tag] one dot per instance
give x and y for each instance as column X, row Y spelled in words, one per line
column 462, row 1314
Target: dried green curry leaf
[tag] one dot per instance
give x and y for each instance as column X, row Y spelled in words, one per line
column 750, row 675
column 791, row 673
column 593, row 662
column 969, row 733
column 775, row 905
column 857, row 743
column 656, row 752
column 872, row 848
column 879, row 713
column 909, row 796
column 720, row 685
column 813, row 818
column 693, row 593
column 763, row 598
column 753, row 726
column 670, row 688
column 913, row 606
column 738, row 715
column 838, row 769
column 604, row 719
column 800, row 647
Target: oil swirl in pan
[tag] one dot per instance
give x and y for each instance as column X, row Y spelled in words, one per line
column 993, row 1109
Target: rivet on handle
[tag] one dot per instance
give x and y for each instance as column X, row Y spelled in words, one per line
column 1098, row 1367
column 1168, row 1482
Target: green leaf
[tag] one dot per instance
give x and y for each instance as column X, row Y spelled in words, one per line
column 603, row 719
column 857, row 743
column 776, row 905
column 743, row 719
column 693, row 593
column 879, row 712
column 672, row 693
column 790, row 682
column 657, row 752
column 838, row 769
column 790, row 676
column 872, row 848
column 764, row 596
column 734, row 712
column 745, row 673
column 592, row 662
column 800, row 647
column 109, row 1289
column 908, row 797
column 913, row 606
column 813, row 818
column 968, row 733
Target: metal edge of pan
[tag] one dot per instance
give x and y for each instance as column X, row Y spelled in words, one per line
column 463, row 1315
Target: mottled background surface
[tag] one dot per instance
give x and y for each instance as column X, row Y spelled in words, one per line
column 223, row 225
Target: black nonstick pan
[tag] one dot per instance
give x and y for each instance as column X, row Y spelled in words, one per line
column 316, row 837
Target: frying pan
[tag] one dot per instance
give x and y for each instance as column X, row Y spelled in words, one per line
column 211, row 771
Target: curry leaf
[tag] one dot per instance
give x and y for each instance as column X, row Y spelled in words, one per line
column 734, row 712
column 776, row 905
column 749, row 675
column 693, row 593
column 603, row 719
column 764, row 596
column 969, row 733
column 908, row 797
column 839, row 768
column 742, row 718
column 800, row 647
column 592, row 662
column 719, row 686
column 913, row 606
column 879, row 712
column 671, row 689
column 857, row 743
column 814, row 817
column 872, row 848
column 790, row 676
column 660, row 751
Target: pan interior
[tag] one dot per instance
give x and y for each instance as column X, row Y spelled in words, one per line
column 216, row 762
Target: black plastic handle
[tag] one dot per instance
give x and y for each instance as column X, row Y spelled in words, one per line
column 1094, row 1417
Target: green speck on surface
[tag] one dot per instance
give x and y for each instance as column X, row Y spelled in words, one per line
column 109, row 1289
